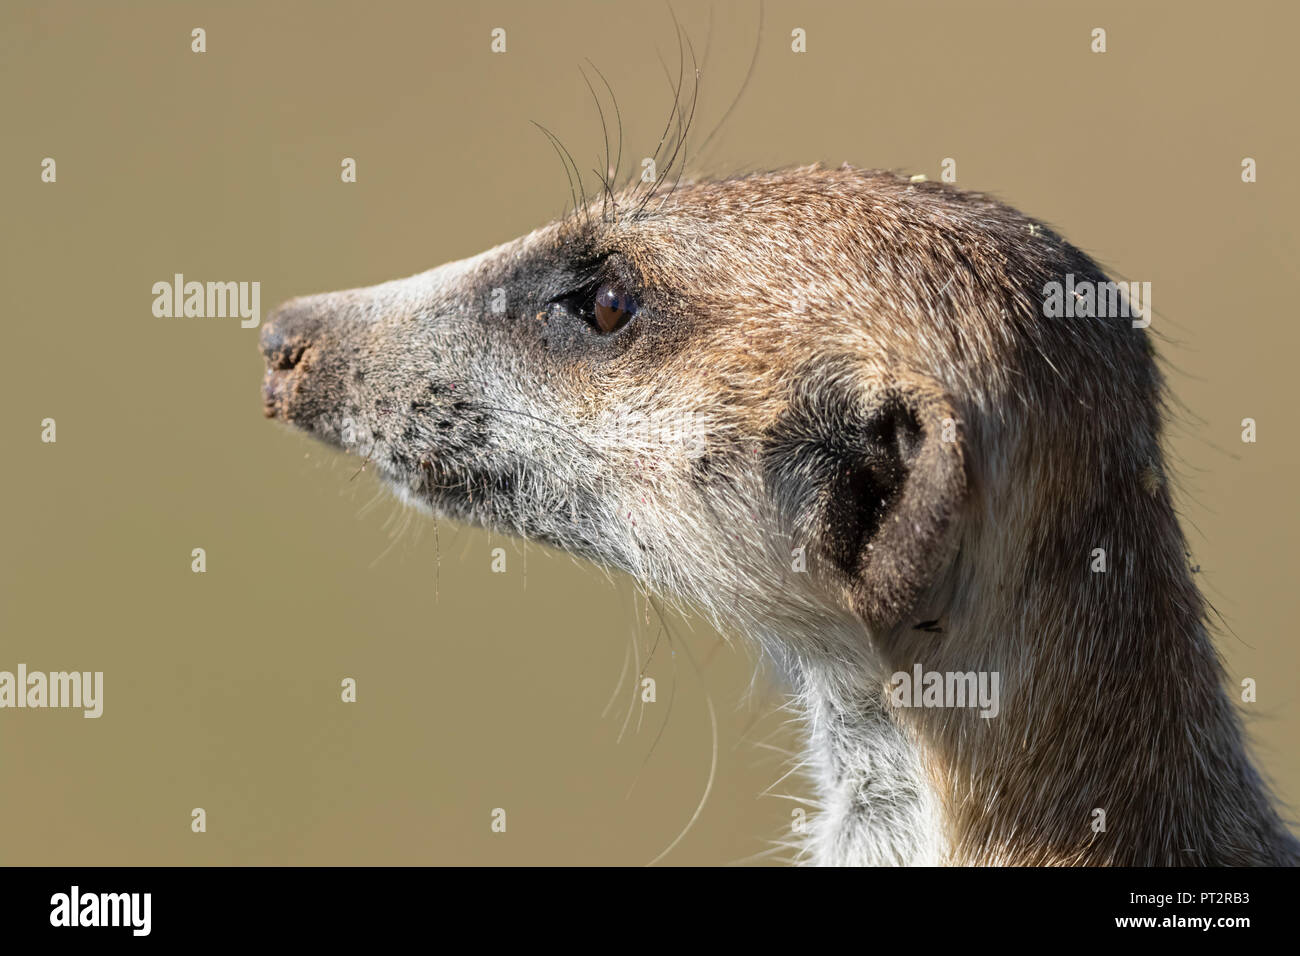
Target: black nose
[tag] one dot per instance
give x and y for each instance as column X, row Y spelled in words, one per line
column 288, row 333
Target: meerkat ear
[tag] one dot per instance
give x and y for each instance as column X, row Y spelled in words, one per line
column 877, row 476
column 912, row 484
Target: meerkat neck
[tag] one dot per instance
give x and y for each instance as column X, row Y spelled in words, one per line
column 1113, row 741
column 877, row 805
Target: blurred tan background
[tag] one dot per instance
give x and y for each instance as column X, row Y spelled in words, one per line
column 480, row 690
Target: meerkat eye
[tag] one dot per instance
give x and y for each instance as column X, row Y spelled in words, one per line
column 613, row 307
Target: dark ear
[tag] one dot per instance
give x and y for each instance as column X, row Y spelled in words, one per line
column 876, row 477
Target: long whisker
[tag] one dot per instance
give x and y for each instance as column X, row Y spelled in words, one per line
column 618, row 161
column 559, row 428
column 695, row 96
column 555, row 145
column 749, row 75
column 604, row 128
column 713, row 725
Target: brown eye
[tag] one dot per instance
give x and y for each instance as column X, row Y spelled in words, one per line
column 614, row 305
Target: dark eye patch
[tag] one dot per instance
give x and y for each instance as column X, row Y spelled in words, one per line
column 606, row 304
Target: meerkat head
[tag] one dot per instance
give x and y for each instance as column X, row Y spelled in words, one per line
column 754, row 394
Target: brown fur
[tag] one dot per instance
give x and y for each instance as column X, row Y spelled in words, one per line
column 826, row 326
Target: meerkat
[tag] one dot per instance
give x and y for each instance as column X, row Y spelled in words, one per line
column 827, row 408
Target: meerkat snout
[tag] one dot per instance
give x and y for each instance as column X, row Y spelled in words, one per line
column 823, row 406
